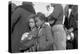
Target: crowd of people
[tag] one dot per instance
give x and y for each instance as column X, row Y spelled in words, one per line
column 32, row 32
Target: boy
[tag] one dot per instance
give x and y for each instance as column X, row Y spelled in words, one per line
column 45, row 40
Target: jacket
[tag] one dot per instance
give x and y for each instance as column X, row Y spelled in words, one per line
column 45, row 39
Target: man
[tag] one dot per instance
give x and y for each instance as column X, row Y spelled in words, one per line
column 45, row 40
column 71, row 23
column 74, row 24
column 19, row 25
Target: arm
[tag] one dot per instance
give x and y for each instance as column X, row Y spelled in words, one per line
column 73, row 23
column 30, row 42
column 15, row 16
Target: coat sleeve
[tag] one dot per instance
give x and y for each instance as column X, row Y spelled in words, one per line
column 15, row 16
column 29, row 43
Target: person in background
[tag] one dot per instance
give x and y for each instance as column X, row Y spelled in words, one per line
column 19, row 25
column 58, row 28
column 12, row 7
column 68, row 10
column 45, row 40
column 74, row 24
column 71, row 23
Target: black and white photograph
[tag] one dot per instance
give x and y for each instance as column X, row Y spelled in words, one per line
column 42, row 26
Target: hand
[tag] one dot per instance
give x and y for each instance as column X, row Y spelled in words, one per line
column 70, row 30
column 24, row 36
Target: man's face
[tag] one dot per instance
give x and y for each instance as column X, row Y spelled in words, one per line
column 38, row 22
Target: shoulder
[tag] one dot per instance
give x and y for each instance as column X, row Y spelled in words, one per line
column 19, row 9
column 47, row 27
column 22, row 10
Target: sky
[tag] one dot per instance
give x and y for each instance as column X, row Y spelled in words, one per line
column 39, row 7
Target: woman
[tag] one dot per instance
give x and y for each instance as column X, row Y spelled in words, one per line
column 29, row 38
column 52, row 22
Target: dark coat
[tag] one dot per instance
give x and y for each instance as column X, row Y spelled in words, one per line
column 19, row 26
column 72, row 22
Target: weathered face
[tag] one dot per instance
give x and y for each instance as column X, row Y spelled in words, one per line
column 38, row 22
column 31, row 23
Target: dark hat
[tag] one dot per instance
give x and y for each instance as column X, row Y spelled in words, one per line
column 51, row 18
column 27, row 3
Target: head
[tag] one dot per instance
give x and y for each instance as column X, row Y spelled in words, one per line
column 31, row 21
column 40, row 19
column 51, row 20
column 53, row 5
column 70, row 6
column 13, row 6
column 28, row 6
column 48, row 7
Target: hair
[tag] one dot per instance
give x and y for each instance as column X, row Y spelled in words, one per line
column 51, row 18
column 41, row 16
column 28, row 6
column 30, row 17
column 70, row 6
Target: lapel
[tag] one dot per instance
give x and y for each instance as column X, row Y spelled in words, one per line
column 41, row 29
